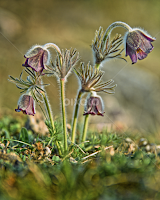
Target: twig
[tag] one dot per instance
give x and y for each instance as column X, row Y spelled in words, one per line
column 96, row 153
column 67, row 155
column 79, row 147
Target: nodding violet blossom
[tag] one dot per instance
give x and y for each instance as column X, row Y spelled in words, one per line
column 37, row 58
column 94, row 105
column 90, row 80
column 138, row 44
column 26, row 105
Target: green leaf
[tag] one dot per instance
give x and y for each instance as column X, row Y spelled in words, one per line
column 24, row 136
column 56, row 158
column 6, row 133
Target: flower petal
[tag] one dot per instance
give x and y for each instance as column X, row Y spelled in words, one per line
column 23, row 102
column 18, row 110
column 140, row 54
column 149, row 38
column 30, row 110
column 131, row 53
column 36, row 62
column 145, row 44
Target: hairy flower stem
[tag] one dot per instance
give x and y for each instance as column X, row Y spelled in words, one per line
column 64, row 114
column 48, row 109
column 49, row 114
column 97, row 66
column 114, row 25
column 85, row 127
column 54, row 46
column 75, row 117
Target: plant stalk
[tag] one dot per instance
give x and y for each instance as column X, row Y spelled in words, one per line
column 49, row 114
column 75, row 117
column 48, row 109
column 85, row 127
column 97, row 66
column 54, row 46
column 114, row 25
column 64, row 114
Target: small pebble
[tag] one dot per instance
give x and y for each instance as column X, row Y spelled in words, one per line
column 128, row 140
column 143, row 142
column 47, row 151
column 148, row 147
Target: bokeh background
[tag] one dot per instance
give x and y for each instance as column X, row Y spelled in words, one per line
column 72, row 23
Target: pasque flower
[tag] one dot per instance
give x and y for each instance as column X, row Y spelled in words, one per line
column 90, row 79
column 37, row 58
column 26, row 105
column 94, row 106
column 138, row 44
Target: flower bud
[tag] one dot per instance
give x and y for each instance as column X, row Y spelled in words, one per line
column 26, row 105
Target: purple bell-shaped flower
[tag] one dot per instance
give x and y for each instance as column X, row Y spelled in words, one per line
column 138, row 44
column 26, row 105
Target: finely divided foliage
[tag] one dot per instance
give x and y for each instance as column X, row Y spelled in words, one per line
column 103, row 50
column 64, row 64
column 91, row 80
column 39, row 63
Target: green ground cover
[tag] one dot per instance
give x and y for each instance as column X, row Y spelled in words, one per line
column 108, row 166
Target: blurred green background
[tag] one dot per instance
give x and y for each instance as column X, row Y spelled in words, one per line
column 72, row 23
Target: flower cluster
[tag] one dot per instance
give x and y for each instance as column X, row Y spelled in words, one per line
column 39, row 62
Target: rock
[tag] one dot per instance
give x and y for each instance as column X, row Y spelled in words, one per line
column 36, row 124
column 47, row 151
column 143, row 142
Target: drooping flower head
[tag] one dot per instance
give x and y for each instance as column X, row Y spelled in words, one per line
column 138, row 44
column 37, row 58
column 91, row 80
column 94, row 105
column 26, row 105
